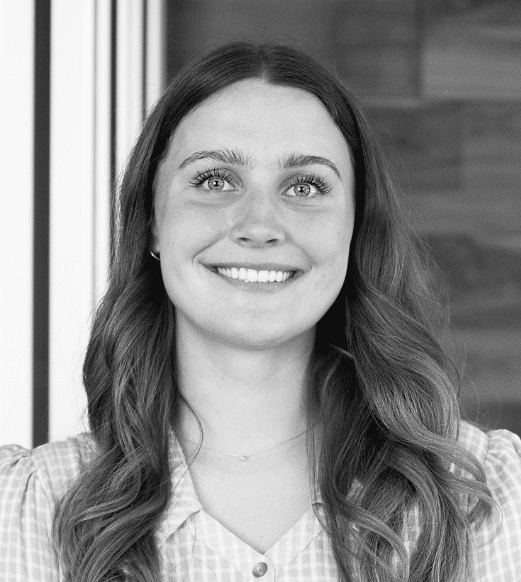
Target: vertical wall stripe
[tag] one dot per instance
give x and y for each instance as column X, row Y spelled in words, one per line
column 16, row 220
column 42, row 97
column 72, row 278
column 129, row 78
column 144, row 60
column 80, row 79
column 103, row 144
column 155, row 47
column 113, row 113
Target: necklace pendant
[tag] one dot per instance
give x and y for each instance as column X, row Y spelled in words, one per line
column 243, row 457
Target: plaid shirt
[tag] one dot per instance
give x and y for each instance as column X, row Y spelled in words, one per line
column 196, row 548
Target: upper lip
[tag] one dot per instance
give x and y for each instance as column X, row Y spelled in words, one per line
column 255, row 266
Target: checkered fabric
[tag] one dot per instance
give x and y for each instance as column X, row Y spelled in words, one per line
column 197, row 548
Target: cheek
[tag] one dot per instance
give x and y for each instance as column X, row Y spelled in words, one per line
column 330, row 243
column 186, row 227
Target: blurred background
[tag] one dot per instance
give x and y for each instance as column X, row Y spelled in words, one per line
column 440, row 80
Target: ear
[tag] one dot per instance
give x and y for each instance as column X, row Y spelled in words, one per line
column 154, row 231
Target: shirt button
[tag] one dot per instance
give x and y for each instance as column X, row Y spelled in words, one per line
column 260, row 569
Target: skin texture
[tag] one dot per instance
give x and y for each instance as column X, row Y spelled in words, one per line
column 256, row 221
column 242, row 348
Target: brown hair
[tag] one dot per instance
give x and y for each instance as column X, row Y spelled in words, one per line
column 379, row 380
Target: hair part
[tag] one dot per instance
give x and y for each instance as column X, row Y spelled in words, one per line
column 378, row 380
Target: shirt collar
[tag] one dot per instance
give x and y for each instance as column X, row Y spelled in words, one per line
column 183, row 501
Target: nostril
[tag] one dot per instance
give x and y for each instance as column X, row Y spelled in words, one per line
column 256, row 226
column 259, row 240
column 257, row 234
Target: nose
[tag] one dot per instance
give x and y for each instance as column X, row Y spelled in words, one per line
column 257, row 222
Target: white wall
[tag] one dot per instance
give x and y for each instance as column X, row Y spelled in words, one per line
column 16, row 219
column 84, row 92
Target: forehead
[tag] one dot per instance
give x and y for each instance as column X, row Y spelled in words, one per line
column 263, row 120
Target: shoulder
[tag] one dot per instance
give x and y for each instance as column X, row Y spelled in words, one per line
column 498, row 539
column 53, row 465
column 498, row 451
column 31, row 482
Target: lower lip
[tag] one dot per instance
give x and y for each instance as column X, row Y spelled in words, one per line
column 259, row 287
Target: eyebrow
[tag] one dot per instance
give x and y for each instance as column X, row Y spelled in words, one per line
column 225, row 156
column 299, row 160
column 237, row 158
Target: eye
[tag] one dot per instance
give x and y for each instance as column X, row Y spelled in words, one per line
column 216, row 180
column 308, row 186
column 303, row 190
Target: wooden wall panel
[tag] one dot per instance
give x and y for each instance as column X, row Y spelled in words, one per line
column 423, row 143
column 375, row 46
column 196, row 26
column 474, row 52
column 378, row 71
column 492, row 156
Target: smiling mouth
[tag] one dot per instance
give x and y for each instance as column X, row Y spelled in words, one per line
column 253, row 275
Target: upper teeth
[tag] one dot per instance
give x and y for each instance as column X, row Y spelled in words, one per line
column 254, row 276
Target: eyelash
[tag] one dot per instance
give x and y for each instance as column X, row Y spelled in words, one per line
column 311, row 179
column 215, row 173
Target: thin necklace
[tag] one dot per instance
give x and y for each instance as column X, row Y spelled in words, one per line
column 243, row 457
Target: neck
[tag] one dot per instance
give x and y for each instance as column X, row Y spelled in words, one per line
column 245, row 400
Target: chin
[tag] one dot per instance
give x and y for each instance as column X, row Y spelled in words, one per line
column 264, row 339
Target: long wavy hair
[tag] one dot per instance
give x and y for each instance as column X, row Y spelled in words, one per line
column 378, row 378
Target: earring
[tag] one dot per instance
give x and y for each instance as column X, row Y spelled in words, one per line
column 156, row 257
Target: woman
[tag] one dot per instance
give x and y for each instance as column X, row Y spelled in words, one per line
column 266, row 399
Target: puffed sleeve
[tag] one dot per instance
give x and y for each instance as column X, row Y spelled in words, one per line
column 26, row 551
column 498, row 541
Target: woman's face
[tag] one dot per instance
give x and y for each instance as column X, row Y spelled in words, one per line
column 254, row 214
